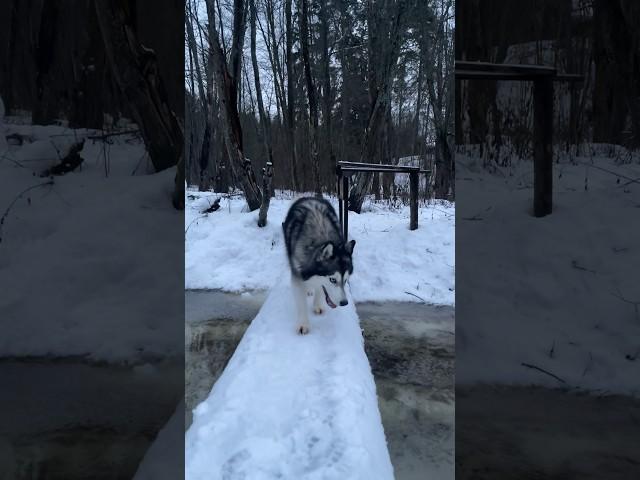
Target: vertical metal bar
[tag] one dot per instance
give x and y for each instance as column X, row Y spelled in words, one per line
column 345, row 204
column 413, row 200
column 543, row 146
column 340, row 193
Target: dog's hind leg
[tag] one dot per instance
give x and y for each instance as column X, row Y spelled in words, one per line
column 318, row 301
column 300, row 297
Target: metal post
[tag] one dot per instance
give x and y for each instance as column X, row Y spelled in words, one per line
column 340, row 193
column 413, row 200
column 543, row 146
column 345, row 205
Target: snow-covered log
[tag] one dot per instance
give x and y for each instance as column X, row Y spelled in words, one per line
column 290, row 406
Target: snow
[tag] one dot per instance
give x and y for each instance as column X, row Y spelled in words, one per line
column 80, row 246
column 226, row 250
column 291, row 406
column 552, row 292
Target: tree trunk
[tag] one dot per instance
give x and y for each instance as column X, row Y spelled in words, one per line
column 203, row 156
column 267, row 173
column 326, row 83
column 380, row 80
column 45, row 109
column 291, row 94
column 178, row 190
column 311, row 94
column 227, row 81
column 136, row 72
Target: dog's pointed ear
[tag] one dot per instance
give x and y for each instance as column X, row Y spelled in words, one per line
column 325, row 252
column 349, row 246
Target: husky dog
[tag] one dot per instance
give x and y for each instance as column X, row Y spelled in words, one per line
column 320, row 259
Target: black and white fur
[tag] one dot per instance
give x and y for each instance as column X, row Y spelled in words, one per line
column 320, row 259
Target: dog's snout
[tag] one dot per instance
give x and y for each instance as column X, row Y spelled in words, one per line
column 344, row 302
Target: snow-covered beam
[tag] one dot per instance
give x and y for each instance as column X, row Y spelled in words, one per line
column 290, row 406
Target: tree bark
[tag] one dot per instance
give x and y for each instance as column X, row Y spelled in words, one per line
column 380, row 79
column 291, row 94
column 203, row 156
column 326, row 82
column 227, row 80
column 311, row 95
column 267, row 173
column 45, row 109
column 136, row 72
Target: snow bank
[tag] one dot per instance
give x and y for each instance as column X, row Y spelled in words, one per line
column 290, row 406
column 553, row 295
column 52, row 260
column 226, row 250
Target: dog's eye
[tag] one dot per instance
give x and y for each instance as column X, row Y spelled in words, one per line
column 333, row 280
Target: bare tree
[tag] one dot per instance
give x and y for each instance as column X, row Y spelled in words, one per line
column 267, row 172
column 227, row 78
column 136, row 71
column 360, row 66
column 291, row 93
column 384, row 21
column 311, row 95
column 205, row 100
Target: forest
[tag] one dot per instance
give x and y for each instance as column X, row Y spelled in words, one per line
column 278, row 91
column 91, row 64
column 596, row 39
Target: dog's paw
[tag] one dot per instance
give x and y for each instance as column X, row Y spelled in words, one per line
column 303, row 329
column 318, row 310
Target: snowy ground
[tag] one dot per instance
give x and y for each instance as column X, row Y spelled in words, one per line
column 225, row 249
column 291, row 406
column 572, row 276
column 49, row 248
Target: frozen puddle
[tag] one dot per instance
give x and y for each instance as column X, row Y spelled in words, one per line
column 73, row 420
column 409, row 346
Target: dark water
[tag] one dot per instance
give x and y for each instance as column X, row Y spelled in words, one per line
column 531, row 433
column 65, row 419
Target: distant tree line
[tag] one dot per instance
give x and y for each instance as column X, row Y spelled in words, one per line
column 300, row 84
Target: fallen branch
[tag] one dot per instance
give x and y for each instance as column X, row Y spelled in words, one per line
column 586, row 369
column 192, row 221
column 636, row 304
column 69, row 163
column 630, row 180
column 6, row 157
column 214, row 207
column 574, row 264
column 114, row 134
column 414, row 295
column 6, row 212
column 543, row 371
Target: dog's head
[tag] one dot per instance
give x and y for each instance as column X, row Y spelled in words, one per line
column 333, row 266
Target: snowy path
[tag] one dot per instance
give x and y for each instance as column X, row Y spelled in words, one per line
column 292, row 407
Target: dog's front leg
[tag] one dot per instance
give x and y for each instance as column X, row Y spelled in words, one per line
column 318, row 301
column 300, row 296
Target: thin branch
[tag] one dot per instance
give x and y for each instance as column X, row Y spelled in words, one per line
column 6, row 212
column 543, row 371
column 414, row 295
